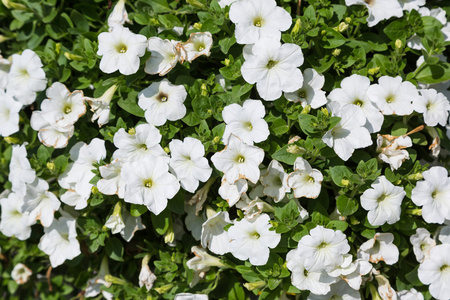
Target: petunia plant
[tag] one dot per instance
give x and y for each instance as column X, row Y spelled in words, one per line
column 224, row 149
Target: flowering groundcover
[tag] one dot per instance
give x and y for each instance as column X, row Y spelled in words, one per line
column 206, row 149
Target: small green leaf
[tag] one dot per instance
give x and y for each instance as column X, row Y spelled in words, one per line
column 346, row 205
column 137, row 210
column 114, row 249
column 161, row 222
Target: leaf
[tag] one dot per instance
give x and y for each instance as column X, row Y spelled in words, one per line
column 226, row 43
column 130, row 105
column 432, row 74
column 114, row 249
column 398, row 29
column 346, row 205
column 159, row 6
column 283, row 156
column 44, row 153
column 332, row 39
column 137, row 210
column 202, row 107
column 161, row 222
column 279, row 126
column 340, row 174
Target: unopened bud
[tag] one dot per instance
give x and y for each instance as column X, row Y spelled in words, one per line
column 255, row 285
column 12, row 140
column 132, row 131
column 57, row 48
column 323, row 32
column 345, row 182
column 373, row 71
column 414, row 212
column 12, row 5
column 51, row 166
column 325, row 111
column 297, row 26
column 216, row 139
column 204, row 90
column 226, row 62
column 196, row 3
column 294, row 149
column 94, row 190
column 114, row 280
column 163, row 289
column 306, row 109
column 3, row 38
column 416, row 176
column 71, row 56
column 197, row 26
column 167, row 150
column 348, row 20
column 342, row 27
column 336, row 52
column 398, row 44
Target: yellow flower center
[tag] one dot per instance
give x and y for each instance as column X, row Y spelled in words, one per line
column 301, row 94
column 358, row 102
column 390, row 99
column 257, row 22
column 271, row 64
column 148, row 183
column 122, row 48
column 240, row 159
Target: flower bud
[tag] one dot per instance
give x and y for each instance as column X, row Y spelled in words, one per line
column 51, row 166
column 345, row 182
column 336, row 52
column 297, row 26
column 12, row 5
column 132, row 131
column 114, row 280
column 12, row 140
column 373, row 71
column 197, row 26
column 255, row 285
column 348, row 20
column 398, row 44
column 163, row 289
column 216, row 140
column 196, row 3
column 115, row 221
column 342, row 27
column 71, row 56
column 306, row 109
column 294, row 149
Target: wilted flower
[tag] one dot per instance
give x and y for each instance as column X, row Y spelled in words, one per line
column 199, row 43
column 21, row 273
column 146, row 276
column 380, row 248
column 100, row 106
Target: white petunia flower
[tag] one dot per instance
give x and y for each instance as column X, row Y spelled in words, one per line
column 148, row 182
column 20, row 171
column 393, row 96
column 189, row 296
column 121, row 50
column 201, row 264
column 305, row 181
column 232, row 192
column 411, row 294
column 379, row 9
column 115, row 220
column 422, row 244
column 275, row 181
column 354, row 91
column 323, row 249
column 9, row 114
column 214, row 237
column 433, row 193
column 21, row 273
column 349, row 134
column 273, row 67
column 119, row 15
column 100, row 106
column 380, row 248
column 138, row 143
column 411, row 4
column 246, row 122
column 437, row 13
column 199, row 43
column 435, row 272
column 339, row 290
column 194, row 222
column 256, row 19
column 111, row 182
column 434, row 106
column 239, row 160
column 40, row 202
column 392, row 149
column 94, row 284
column 164, row 56
column 60, row 241
column 26, row 77
column 5, row 66
column 311, row 91
column 50, row 134
column 383, row 202
column 188, row 162
column 252, row 239
column 162, row 102
column 132, row 224
column 316, row 282
column 146, row 276
column 14, row 222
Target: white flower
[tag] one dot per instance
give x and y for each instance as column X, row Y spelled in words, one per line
column 305, row 181
column 5, row 66
column 412, row 294
column 275, row 181
column 339, row 290
column 121, row 50
column 115, row 220
column 214, row 237
column 20, row 171
column 146, row 276
column 392, row 149
column 349, row 134
column 188, row 162
column 354, row 91
column 239, row 160
column 273, row 67
column 435, row 271
column 40, row 203
column 13, row 221
column 433, row 193
column 9, row 114
column 380, row 248
column 323, row 249
column 379, row 9
column 311, row 91
column 188, row 296
column 422, row 244
column 111, row 182
column 138, row 143
column 385, row 289
column 100, row 106
column 50, row 134
column 164, row 56
column 232, row 192
column 201, row 264
column 246, row 122
column 94, row 284
column 162, row 102
column 383, row 202
column 199, row 43
column 393, row 96
column 316, row 282
column 252, row 239
column 21, row 273
column 60, row 241
column 119, row 15
column 411, row 4
column 256, row 19
column 148, row 182
column 434, row 106
column 132, row 224
column 194, row 222
column 26, row 77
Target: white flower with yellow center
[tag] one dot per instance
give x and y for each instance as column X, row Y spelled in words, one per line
column 380, row 248
column 252, row 239
column 148, row 182
column 434, row 106
column 239, row 160
column 435, row 272
column 422, row 244
column 162, row 102
column 60, row 241
column 305, row 181
column 26, row 77
column 256, row 19
column 164, row 56
column 383, row 202
column 199, row 43
column 273, row 67
column 121, row 50
column 311, row 91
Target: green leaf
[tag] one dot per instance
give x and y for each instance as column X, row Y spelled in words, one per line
column 237, row 292
column 226, row 43
column 80, row 21
column 44, row 153
column 340, row 174
column 346, row 206
column 283, row 156
column 130, row 105
column 279, row 126
column 202, row 107
column 159, row 6
column 161, row 222
column 337, row 225
column 365, row 169
column 399, row 129
column 413, row 277
column 398, row 29
column 114, row 249
column 432, row 74
column 333, row 39
column 137, row 210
